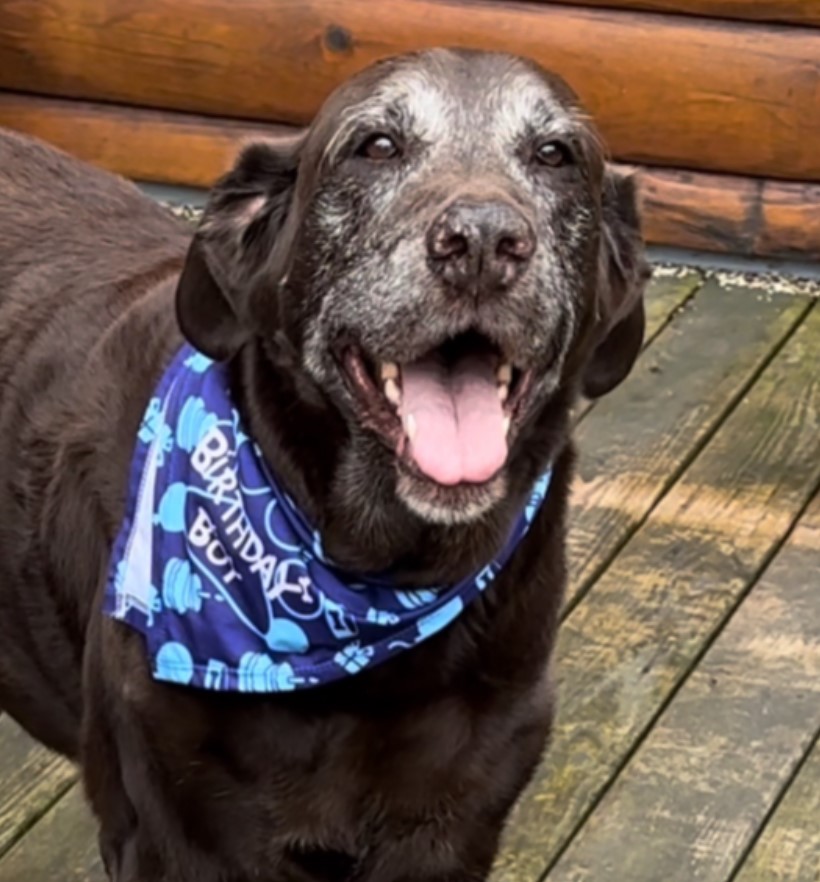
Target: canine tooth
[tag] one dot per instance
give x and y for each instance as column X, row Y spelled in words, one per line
column 504, row 373
column 392, row 392
column 503, row 392
column 506, row 425
column 390, row 370
column 410, row 425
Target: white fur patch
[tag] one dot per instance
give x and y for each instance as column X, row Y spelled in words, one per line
column 447, row 514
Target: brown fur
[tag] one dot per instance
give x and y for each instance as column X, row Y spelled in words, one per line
column 404, row 772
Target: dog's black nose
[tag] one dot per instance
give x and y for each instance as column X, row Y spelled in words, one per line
column 481, row 245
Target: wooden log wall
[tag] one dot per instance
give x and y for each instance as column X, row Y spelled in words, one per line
column 717, row 101
column 806, row 12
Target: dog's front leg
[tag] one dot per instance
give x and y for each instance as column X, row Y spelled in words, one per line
column 102, row 773
column 135, row 845
column 139, row 841
column 115, row 814
column 458, row 838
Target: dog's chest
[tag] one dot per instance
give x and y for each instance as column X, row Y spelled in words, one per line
column 279, row 780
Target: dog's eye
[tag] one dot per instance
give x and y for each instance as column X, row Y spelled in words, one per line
column 379, row 148
column 553, row 154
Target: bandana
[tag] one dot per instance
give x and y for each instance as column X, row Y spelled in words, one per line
column 222, row 573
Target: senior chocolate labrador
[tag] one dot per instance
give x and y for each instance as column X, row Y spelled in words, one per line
column 395, row 314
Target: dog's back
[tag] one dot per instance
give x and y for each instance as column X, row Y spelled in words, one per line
column 74, row 243
column 87, row 270
column 62, row 214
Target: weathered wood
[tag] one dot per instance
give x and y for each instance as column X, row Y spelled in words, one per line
column 31, row 779
column 699, row 788
column 685, row 209
column 701, row 211
column 789, row 220
column 805, row 12
column 278, row 61
column 665, row 296
column 145, row 145
column 640, row 435
column 61, row 848
column 624, row 650
column 738, row 215
column 789, row 849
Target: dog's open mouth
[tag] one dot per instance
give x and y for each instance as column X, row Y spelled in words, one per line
column 449, row 414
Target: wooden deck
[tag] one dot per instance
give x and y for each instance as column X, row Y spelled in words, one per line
column 687, row 747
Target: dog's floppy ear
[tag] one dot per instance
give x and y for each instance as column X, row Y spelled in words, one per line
column 244, row 215
column 622, row 276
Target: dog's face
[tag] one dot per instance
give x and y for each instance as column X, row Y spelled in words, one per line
column 444, row 250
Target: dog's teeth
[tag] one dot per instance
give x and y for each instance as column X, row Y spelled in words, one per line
column 390, row 370
column 506, row 425
column 410, row 425
column 504, row 373
column 503, row 392
column 392, row 392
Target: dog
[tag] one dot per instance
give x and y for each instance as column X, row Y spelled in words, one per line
column 406, row 300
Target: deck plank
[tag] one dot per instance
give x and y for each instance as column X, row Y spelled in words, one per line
column 640, row 436
column 789, row 849
column 624, row 650
column 665, row 295
column 31, row 779
column 62, row 847
column 700, row 787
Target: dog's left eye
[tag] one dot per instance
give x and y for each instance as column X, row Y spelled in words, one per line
column 378, row 148
column 553, row 154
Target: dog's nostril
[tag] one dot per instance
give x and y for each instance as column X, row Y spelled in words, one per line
column 517, row 247
column 445, row 243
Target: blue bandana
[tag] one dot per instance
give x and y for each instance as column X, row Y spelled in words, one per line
column 224, row 576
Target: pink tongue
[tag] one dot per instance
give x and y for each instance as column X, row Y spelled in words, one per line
column 459, row 433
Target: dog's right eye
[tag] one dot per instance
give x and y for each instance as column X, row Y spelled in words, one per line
column 378, row 148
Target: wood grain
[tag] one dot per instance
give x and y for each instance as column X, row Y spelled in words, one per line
column 728, row 97
column 145, row 145
column 790, row 220
column 702, row 211
column 625, row 649
column 665, row 297
column 645, row 431
column 31, row 778
column 789, row 849
column 804, row 12
column 720, row 213
column 755, row 217
column 700, row 787
column 61, row 848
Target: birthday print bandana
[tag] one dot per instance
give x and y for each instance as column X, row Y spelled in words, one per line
column 221, row 572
